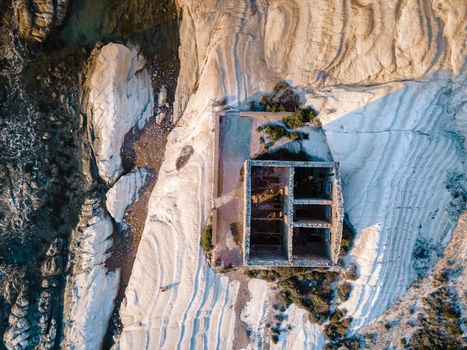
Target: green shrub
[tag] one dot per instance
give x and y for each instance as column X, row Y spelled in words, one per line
column 276, row 330
column 299, row 118
column 343, row 291
column 220, row 102
column 317, row 123
column 336, row 330
column 449, row 312
column 268, row 275
column 206, row 239
column 403, row 342
column 311, row 114
column 440, row 326
column 275, row 132
column 319, row 305
column 279, row 317
column 347, row 342
column 275, row 108
column 348, row 235
column 336, row 316
column 351, row 273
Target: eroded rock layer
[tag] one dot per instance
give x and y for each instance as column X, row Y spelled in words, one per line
column 336, row 42
column 389, row 123
column 37, row 18
column 91, row 288
column 120, row 98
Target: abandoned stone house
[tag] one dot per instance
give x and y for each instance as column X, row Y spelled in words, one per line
column 293, row 213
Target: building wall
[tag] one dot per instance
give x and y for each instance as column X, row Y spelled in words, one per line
column 336, row 213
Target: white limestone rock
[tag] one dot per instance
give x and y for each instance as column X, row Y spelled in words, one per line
column 239, row 50
column 90, row 289
column 398, row 148
column 125, row 192
column 37, row 18
column 120, row 97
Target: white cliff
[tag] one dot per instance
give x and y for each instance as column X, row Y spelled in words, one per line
column 120, row 98
column 334, row 42
column 391, row 123
column 125, row 191
column 398, row 150
column 91, row 289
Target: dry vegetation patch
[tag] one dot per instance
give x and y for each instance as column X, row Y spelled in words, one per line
column 318, row 291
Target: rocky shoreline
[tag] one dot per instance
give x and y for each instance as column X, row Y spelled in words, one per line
column 53, row 201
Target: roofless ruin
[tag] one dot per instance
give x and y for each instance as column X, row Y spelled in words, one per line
column 293, row 213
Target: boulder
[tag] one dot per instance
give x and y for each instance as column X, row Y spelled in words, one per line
column 120, row 97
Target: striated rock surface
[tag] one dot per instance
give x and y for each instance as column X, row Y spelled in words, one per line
column 120, row 97
column 18, row 333
column 37, row 18
column 91, row 288
column 399, row 154
column 392, row 123
column 125, row 191
column 335, row 42
column 450, row 275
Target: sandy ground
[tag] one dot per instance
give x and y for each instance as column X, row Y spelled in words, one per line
column 238, row 141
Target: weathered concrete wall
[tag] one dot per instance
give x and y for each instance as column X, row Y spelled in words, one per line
column 333, row 239
column 338, row 215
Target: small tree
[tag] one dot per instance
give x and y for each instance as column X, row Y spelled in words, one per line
column 299, row 118
column 275, row 132
column 206, row 239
